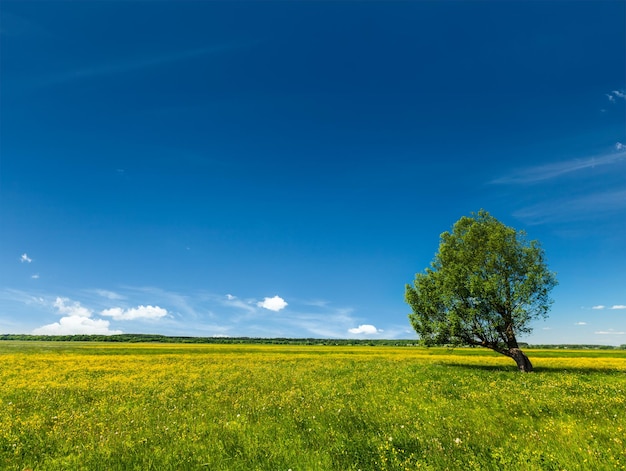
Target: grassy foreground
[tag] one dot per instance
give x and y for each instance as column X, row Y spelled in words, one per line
column 69, row 406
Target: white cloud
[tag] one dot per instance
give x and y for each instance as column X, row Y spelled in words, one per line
column 273, row 304
column 73, row 309
column 609, row 332
column 367, row 329
column 615, row 94
column 230, row 297
column 35, row 276
column 139, row 312
column 71, row 325
column 619, row 146
column 76, row 320
column 580, row 323
column 619, row 94
column 25, row 258
column 618, row 306
column 600, row 306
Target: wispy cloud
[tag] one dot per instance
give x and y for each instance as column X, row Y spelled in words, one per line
column 331, row 322
column 616, row 95
column 232, row 301
column 195, row 313
column 22, row 297
column 25, row 258
column 112, row 295
column 132, row 65
column 574, row 209
column 609, row 332
column 17, row 26
column 242, row 316
column 316, row 303
column 188, row 306
column 614, row 307
column 550, row 171
column 580, row 323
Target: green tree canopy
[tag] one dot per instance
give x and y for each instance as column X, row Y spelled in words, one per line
column 484, row 287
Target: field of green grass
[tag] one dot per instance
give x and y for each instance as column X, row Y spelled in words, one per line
column 95, row 406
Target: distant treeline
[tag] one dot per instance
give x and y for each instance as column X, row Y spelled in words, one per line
column 578, row 347
column 145, row 338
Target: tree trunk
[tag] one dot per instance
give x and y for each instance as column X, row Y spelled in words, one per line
column 523, row 363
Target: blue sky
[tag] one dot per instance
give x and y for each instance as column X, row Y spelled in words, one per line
column 283, row 169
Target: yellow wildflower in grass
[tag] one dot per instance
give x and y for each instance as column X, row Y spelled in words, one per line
column 230, row 407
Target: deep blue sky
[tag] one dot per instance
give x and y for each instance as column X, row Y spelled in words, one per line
column 285, row 168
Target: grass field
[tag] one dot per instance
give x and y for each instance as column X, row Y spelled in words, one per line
column 94, row 406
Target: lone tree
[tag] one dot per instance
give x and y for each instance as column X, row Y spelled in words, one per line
column 484, row 287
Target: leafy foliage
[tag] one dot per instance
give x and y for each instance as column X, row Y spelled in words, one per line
column 484, row 286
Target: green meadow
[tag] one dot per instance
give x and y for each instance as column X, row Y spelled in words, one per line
column 97, row 406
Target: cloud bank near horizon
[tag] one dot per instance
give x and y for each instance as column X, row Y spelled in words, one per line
column 78, row 319
column 103, row 312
